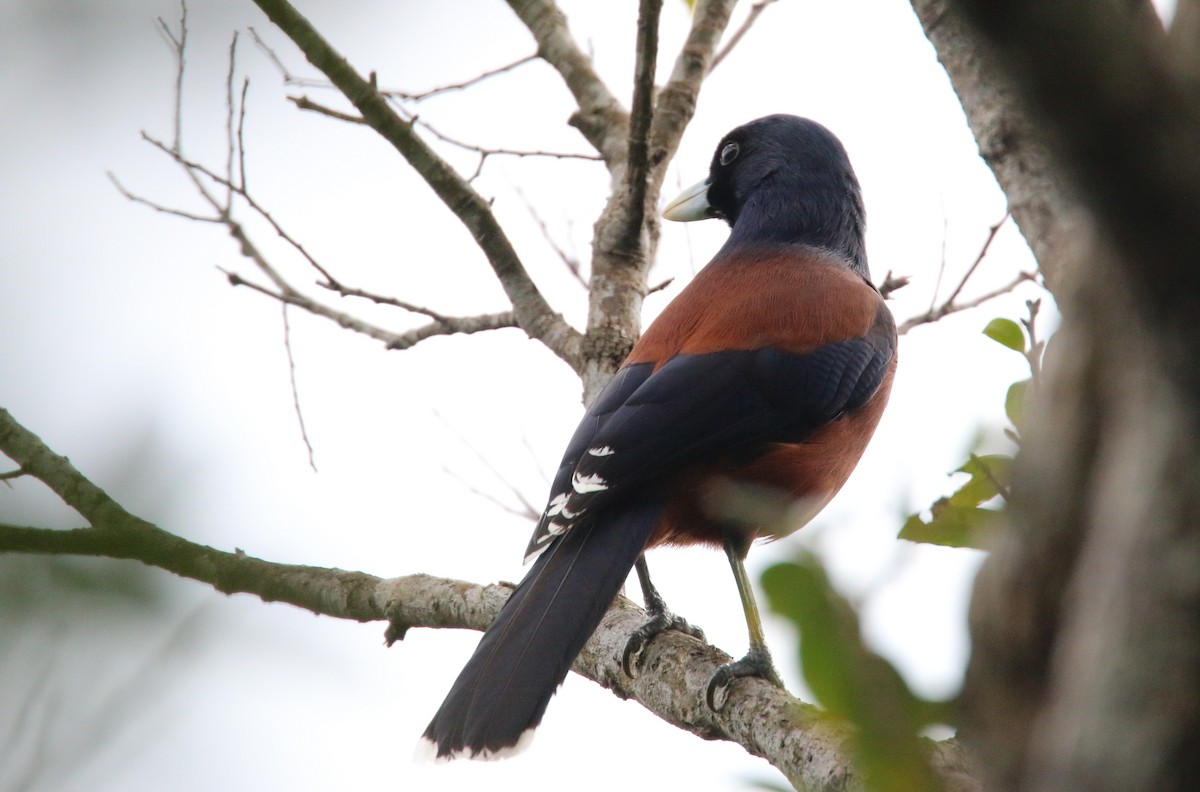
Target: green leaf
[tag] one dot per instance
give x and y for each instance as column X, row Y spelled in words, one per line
column 951, row 526
column 1006, row 332
column 850, row 681
column 1014, row 402
column 989, row 477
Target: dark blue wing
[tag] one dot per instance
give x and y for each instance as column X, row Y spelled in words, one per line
column 623, row 384
column 695, row 407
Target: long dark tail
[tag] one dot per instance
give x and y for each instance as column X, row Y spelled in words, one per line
column 502, row 693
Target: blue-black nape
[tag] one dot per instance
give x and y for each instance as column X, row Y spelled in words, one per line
column 788, row 179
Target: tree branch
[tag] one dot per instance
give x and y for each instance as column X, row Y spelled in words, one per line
column 458, row 86
column 600, row 118
column 677, row 100
column 533, row 313
column 1047, row 211
column 636, row 172
column 618, row 280
column 765, row 720
column 755, row 12
column 443, row 325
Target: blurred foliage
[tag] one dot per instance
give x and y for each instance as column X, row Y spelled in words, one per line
column 969, row 516
column 852, row 683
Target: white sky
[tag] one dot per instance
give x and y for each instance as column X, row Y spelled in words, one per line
column 124, row 348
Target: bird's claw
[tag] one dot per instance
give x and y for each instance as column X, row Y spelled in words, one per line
column 756, row 663
column 632, row 657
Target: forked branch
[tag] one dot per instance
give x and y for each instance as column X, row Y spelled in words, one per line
column 533, row 313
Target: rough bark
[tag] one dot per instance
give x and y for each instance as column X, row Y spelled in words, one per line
column 1086, row 621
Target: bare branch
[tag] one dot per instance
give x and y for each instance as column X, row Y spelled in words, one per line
column 488, row 152
column 527, row 510
column 379, row 299
column 232, row 132
column 569, row 260
column 533, row 313
column 287, row 294
column 755, row 11
column 448, row 325
column 659, row 286
column 159, row 207
column 634, row 189
column 949, row 305
column 291, row 359
column 458, row 86
column 677, row 100
column 601, row 118
column 983, row 251
column 235, row 229
column 947, row 308
column 284, row 73
column 9, row 475
column 179, row 46
column 892, row 283
column 618, row 278
column 1050, row 216
column 304, row 103
column 1036, row 345
column 458, row 324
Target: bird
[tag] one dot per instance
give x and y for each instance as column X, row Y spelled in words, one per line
column 738, row 415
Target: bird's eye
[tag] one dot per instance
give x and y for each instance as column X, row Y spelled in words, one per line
column 729, row 153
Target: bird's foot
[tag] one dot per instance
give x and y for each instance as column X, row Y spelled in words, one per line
column 660, row 621
column 756, row 663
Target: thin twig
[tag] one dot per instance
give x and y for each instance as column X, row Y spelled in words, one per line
column 891, row 283
column 417, row 97
column 287, row 77
column 987, row 244
column 449, row 325
column 571, row 262
column 231, row 136
column 533, row 312
column 291, row 359
column 755, row 11
column 1036, row 345
column 241, row 144
column 234, row 227
column 659, row 286
column 159, row 207
column 379, row 299
column 9, row 475
column 601, row 118
column 304, row 103
column 523, row 513
column 178, row 44
column 948, row 308
column 949, row 305
column 527, row 509
column 489, row 151
column 937, row 282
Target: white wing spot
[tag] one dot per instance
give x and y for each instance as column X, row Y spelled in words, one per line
column 585, row 484
column 556, row 528
column 601, row 451
column 557, row 503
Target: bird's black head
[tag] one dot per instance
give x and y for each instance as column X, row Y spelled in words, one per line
column 782, row 179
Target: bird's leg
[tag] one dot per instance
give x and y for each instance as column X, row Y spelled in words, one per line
column 757, row 661
column 661, row 619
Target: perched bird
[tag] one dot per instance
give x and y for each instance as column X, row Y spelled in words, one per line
column 737, row 416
